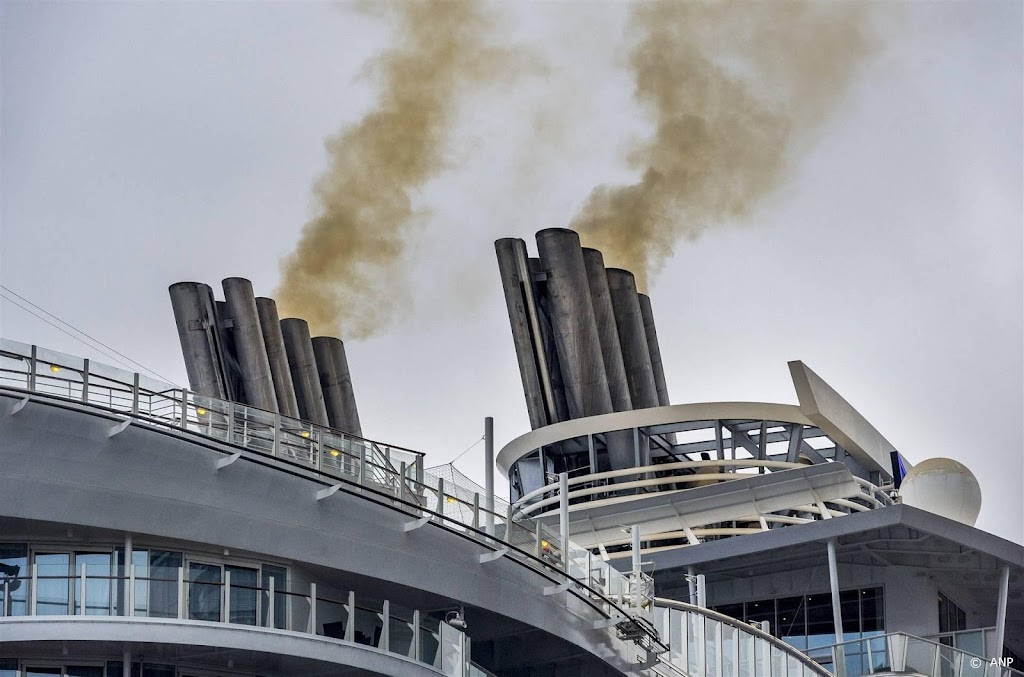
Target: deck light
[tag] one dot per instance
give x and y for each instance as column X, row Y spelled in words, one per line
column 54, row 368
column 304, row 433
column 334, row 453
column 451, row 499
column 200, row 411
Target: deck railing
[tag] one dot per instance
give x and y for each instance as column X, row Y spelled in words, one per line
column 47, row 590
column 705, row 643
column 900, row 653
column 389, row 475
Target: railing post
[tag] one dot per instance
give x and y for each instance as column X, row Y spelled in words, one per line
column 230, row 436
column 131, row 591
column 476, row 510
column 33, row 361
column 275, row 450
column 319, row 464
column 385, row 633
column 270, row 604
column 85, row 380
column 350, row 627
column 563, row 517
column 508, row 523
column 361, row 477
column 181, row 593
column 312, row 609
column 184, row 409
column 417, row 647
column 227, row 597
column 440, row 499
column 537, row 545
column 82, row 583
column 401, row 481
column 135, row 394
column 489, row 475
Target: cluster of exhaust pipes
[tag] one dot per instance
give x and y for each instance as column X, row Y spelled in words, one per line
column 239, row 350
column 585, row 338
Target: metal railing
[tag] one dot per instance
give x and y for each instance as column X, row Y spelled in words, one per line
column 607, row 487
column 388, row 475
column 604, row 484
column 47, row 590
column 705, row 643
column 906, row 654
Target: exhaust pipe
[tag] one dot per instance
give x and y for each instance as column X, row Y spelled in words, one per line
column 195, row 315
column 308, row 393
column 607, row 332
column 336, row 383
column 654, row 349
column 254, row 365
column 521, row 301
column 273, row 339
column 573, row 324
column 635, row 355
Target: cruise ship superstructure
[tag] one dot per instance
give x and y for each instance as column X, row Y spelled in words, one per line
column 245, row 526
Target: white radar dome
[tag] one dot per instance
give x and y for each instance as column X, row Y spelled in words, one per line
column 945, row 487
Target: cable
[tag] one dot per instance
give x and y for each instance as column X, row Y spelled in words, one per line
column 68, row 324
column 467, row 450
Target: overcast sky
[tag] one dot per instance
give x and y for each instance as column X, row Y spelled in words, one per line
column 148, row 143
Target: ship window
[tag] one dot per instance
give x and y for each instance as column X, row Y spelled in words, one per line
column 871, row 610
column 951, row 617
column 8, row 666
column 156, row 582
column 794, row 614
column 13, row 569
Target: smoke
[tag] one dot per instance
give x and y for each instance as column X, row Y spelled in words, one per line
column 346, row 274
column 736, row 91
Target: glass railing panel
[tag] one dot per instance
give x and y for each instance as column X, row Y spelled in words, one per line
column 921, row 655
column 747, row 664
column 730, row 650
column 400, row 631
column 452, row 653
column 254, row 429
column 778, row 664
column 430, row 642
column 712, row 648
column 762, row 657
column 99, row 589
column 972, row 668
column 970, row 641
column 332, row 619
column 695, row 643
column 877, row 650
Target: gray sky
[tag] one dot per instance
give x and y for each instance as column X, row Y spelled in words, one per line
column 147, row 143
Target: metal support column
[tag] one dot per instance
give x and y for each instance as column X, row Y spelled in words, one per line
column 489, row 474
column 1004, row 590
column 837, row 615
column 634, row 532
column 128, row 557
column 563, row 517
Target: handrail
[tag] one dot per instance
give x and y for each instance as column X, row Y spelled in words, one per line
column 838, row 650
column 744, row 628
column 526, row 507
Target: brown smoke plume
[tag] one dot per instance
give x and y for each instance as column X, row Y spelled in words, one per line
column 735, row 89
column 345, row 274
